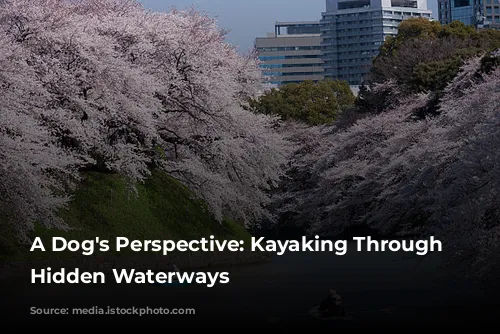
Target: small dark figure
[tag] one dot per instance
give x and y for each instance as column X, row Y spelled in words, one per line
column 327, row 306
column 332, row 305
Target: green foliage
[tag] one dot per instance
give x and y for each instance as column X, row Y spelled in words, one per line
column 409, row 29
column 458, row 29
column 105, row 207
column 489, row 63
column 435, row 75
column 424, row 52
column 314, row 103
column 424, row 57
column 418, row 27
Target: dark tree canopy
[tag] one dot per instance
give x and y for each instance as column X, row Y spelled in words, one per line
column 426, row 56
column 311, row 102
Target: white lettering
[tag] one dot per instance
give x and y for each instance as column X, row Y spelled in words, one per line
column 304, row 245
column 47, row 276
column 121, row 242
column 37, row 244
column 420, row 247
column 55, row 244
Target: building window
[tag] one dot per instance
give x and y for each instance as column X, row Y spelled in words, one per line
column 404, row 3
column 462, row 3
column 267, row 58
column 354, row 4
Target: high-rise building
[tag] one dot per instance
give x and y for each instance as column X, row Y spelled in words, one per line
column 492, row 13
column 352, row 32
column 291, row 54
column 469, row 12
column 444, row 11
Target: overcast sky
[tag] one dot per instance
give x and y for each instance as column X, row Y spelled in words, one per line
column 246, row 20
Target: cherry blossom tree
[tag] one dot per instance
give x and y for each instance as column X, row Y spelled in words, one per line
column 107, row 84
column 405, row 173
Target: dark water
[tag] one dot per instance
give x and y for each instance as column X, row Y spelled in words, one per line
column 385, row 289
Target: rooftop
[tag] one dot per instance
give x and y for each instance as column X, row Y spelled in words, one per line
column 273, row 35
column 295, row 23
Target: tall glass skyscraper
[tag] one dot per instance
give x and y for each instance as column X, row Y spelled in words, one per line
column 352, row 32
column 469, row 12
column 492, row 13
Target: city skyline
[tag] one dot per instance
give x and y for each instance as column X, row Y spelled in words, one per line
column 247, row 20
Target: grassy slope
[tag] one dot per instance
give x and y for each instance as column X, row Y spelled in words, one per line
column 164, row 209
